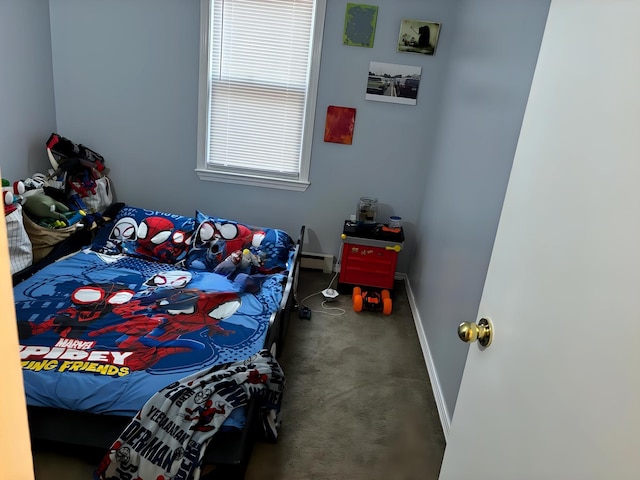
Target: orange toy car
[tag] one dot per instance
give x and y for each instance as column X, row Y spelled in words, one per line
column 372, row 300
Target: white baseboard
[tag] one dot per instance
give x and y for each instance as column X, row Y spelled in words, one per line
column 445, row 418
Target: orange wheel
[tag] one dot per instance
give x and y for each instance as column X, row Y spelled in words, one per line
column 385, row 294
column 387, row 306
column 356, row 291
column 357, row 303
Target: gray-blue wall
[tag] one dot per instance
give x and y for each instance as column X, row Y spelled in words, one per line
column 27, row 115
column 135, row 101
column 493, row 52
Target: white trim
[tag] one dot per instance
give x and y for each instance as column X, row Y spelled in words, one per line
column 254, row 180
column 312, row 89
column 203, row 85
column 445, row 418
column 203, row 170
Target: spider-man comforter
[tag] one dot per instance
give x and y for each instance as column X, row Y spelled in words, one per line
column 102, row 334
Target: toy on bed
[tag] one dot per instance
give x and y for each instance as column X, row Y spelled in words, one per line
column 242, row 268
column 216, row 239
column 239, row 262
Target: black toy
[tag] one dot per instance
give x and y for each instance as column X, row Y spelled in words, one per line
column 372, row 300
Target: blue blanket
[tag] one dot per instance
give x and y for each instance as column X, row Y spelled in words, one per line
column 102, row 334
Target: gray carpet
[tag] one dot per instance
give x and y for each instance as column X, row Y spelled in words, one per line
column 357, row 405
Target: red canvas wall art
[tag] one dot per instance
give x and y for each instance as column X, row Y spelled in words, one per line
column 340, row 124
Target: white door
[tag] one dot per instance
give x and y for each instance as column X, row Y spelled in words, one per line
column 557, row 394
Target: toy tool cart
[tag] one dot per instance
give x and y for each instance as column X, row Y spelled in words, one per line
column 369, row 255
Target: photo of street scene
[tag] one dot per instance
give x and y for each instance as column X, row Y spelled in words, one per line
column 392, row 83
column 418, row 37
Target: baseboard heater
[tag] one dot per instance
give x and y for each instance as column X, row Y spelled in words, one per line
column 317, row 261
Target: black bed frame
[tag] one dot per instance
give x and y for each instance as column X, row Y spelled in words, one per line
column 227, row 455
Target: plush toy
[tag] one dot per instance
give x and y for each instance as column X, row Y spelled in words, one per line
column 239, row 261
column 249, row 260
column 229, row 264
column 43, row 206
column 11, row 193
column 37, row 180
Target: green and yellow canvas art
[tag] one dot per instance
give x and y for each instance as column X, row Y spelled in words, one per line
column 360, row 25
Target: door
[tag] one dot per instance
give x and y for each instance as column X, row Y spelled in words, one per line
column 15, row 447
column 557, row 393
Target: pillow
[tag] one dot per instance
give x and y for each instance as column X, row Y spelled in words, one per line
column 216, row 238
column 163, row 237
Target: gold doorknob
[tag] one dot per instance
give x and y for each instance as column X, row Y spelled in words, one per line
column 482, row 332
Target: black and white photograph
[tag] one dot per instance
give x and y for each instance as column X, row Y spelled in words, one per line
column 388, row 82
column 418, row 36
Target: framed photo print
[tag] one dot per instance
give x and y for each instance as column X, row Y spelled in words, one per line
column 418, row 36
column 391, row 83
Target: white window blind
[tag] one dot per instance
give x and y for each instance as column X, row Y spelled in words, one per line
column 259, row 78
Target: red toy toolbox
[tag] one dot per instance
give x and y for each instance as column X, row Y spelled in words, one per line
column 369, row 256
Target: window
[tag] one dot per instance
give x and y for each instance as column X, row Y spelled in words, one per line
column 258, row 80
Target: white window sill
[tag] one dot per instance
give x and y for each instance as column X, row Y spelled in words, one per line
column 213, row 176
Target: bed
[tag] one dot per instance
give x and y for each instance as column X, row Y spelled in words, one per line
column 154, row 298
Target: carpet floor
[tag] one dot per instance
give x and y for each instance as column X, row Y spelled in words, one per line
column 357, row 405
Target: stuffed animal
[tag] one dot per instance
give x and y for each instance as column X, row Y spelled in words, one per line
column 239, row 261
column 11, row 193
column 249, row 260
column 229, row 265
column 43, row 206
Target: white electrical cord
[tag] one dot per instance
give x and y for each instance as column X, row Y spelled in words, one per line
column 326, row 310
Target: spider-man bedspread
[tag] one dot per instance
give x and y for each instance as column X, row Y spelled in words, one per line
column 102, row 334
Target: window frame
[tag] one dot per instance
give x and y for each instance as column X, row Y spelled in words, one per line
column 208, row 173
